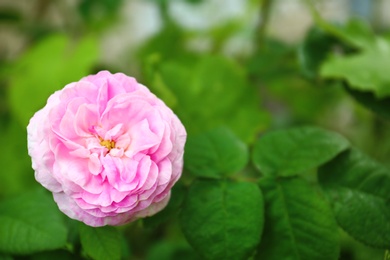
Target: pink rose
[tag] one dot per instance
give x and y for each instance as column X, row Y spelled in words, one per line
column 108, row 149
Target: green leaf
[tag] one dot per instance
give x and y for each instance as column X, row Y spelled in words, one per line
column 161, row 44
column 5, row 257
column 207, row 92
column 17, row 174
column 293, row 151
column 223, row 219
column 101, row 243
column 169, row 250
column 31, row 223
column 9, row 16
column 357, row 33
column 381, row 107
column 57, row 254
column 46, row 67
column 359, row 191
column 98, row 14
column 171, row 210
column 314, row 50
column 365, row 71
column 215, row 154
column 299, row 224
column 319, row 43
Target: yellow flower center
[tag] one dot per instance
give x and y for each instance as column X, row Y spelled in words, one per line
column 108, row 144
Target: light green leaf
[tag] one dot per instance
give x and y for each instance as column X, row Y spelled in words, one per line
column 101, row 243
column 364, row 71
column 46, row 67
column 215, row 154
column 293, row 151
column 320, row 42
column 31, row 223
column 223, row 219
column 359, row 191
column 299, row 224
column 356, row 33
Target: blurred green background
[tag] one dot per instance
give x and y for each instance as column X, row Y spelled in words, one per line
column 236, row 63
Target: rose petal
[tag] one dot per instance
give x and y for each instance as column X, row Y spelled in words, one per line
column 108, row 149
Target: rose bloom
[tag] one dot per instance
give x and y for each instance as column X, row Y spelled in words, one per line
column 107, row 148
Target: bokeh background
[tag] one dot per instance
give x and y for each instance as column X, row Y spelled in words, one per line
column 215, row 62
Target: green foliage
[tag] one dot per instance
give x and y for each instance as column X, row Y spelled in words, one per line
column 16, row 174
column 365, row 71
column 294, row 151
column 381, row 107
column 289, row 96
column 8, row 15
column 313, row 51
column 361, row 59
column 31, row 223
column 98, row 13
column 161, row 44
column 356, row 33
column 101, row 243
column 38, row 74
column 223, row 207
column 171, row 251
column 178, row 193
column 216, row 213
column 299, row 224
column 215, row 154
column 56, row 254
column 358, row 188
column 207, row 94
column 349, row 53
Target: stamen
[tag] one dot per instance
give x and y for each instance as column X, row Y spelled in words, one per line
column 108, row 144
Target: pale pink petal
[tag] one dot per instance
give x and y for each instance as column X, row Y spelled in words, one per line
column 108, row 149
column 94, row 164
column 142, row 138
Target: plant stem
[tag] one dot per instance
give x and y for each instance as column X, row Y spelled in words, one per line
column 327, row 27
column 265, row 12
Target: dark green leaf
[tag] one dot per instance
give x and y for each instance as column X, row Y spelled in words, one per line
column 293, row 151
column 223, row 219
column 165, row 250
column 314, row 50
column 359, row 191
column 57, row 255
column 101, row 243
column 31, row 223
column 98, row 12
column 171, row 210
column 8, row 15
column 215, row 154
column 299, row 224
column 5, row 257
column 379, row 106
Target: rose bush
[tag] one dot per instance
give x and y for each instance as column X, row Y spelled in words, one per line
column 107, row 148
